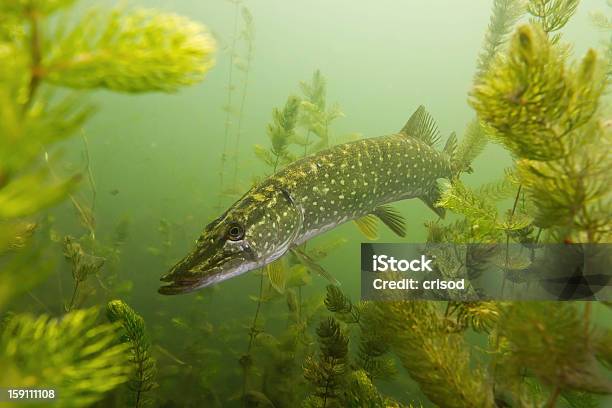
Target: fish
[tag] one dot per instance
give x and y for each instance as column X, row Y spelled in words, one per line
column 354, row 181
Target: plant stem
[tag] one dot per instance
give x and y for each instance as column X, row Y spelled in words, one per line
column 91, row 183
column 140, row 381
column 252, row 335
column 552, row 400
column 36, row 71
column 40, row 302
column 74, row 295
column 300, row 304
column 587, row 320
column 241, row 112
column 306, row 144
column 86, row 218
column 325, row 392
column 254, row 324
column 230, row 91
column 518, row 194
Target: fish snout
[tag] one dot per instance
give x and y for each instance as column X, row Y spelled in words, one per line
column 183, row 276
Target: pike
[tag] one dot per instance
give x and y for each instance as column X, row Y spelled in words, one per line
column 351, row 181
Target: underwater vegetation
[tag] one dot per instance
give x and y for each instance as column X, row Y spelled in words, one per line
column 49, row 59
column 243, row 34
column 143, row 374
column 296, row 344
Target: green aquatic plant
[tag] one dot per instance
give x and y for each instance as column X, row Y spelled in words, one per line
column 242, row 34
column 479, row 207
column 308, row 113
column 361, row 392
column 83, row 265
column 142, row 380
column 554, row 130
column 315, row 116
column 564, row 338
column 505, row 13
column 73, row 355
column 438, row 360
column 327, row 373
column 84, row 211
column 604, row 23
column 373, row 355
column 43, row 57
column 472, row 143
column 552, row 15
column 600, row 20
column 552, row 127
column 280, row 353
column 248, row 36
column 136, row 50
column 479, row 316
column 86, row 56
column 338, row 379
column 538, row 122
column 228, row 107
column 110, row 247
column 370, row 360
column 340, row 304
column 281, row 132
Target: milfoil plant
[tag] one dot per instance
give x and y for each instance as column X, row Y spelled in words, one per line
column 548, row 113
column 50, row 57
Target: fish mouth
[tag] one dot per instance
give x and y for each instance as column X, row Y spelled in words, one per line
column 187, row 276
column 181, row 286
column 183, row 278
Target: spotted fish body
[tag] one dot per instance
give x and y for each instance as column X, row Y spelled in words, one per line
column 348, row 181
column 313, row 195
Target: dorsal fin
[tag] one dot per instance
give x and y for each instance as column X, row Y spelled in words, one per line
column 422, row 126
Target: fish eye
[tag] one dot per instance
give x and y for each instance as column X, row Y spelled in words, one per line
column 235, row 232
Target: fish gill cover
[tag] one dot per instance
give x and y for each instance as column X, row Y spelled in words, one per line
column 295, row 340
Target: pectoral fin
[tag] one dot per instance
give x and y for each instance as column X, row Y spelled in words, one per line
column 391, row 218
column 367, row 226
column 309, row 263
column 388, row 215
column 431, row 198
column 277, row 275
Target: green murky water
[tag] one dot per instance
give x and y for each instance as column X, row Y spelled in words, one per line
column 156, row 161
